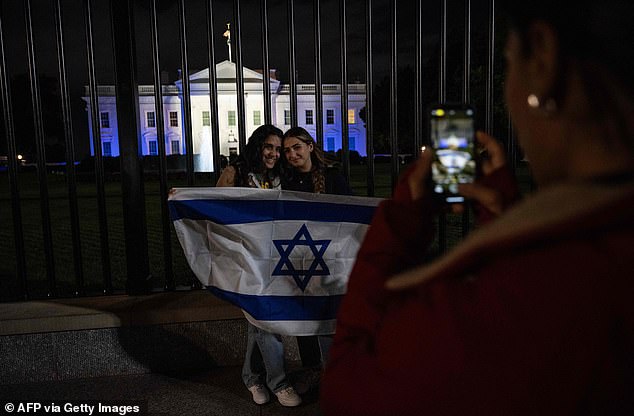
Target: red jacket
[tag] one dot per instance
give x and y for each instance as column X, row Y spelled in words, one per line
column 532, row 314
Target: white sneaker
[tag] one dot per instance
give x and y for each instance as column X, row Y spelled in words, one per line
column 260, row 394
column 288, row 397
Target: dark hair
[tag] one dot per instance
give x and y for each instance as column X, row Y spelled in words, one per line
column 588, row 30
column 596, row 38
column 318, row 169
column 250, row 159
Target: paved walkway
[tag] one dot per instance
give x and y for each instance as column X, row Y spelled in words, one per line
column 198, row 319
column 217, row 392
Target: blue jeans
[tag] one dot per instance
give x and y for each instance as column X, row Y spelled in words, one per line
column 264, row 358
column 325, row 341
column 314, row 349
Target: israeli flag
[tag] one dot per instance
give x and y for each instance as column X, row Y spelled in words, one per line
column 283, row 257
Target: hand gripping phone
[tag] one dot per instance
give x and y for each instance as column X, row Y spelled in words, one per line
column 452, row 134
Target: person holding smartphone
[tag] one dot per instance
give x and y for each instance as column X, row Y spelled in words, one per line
column 533, row 312
column 452, row 135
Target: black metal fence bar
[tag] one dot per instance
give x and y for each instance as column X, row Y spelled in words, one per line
column 187, row 103
column 292, row 65
column 242, row 137
column 369, row 91
column 442, row 71
column 70, row 150
column 418, row 93
column 466, row 87
column 466, row 80
column 394, row 93
column 132, row 189
column 319, row 105
column 160, row 137
column 490, row 69
column 38, row 124
column 512, row 150
column 213, row 89
column 99, row 168
column 266, row 72
column 345, row 139
column 12, row 165
column 442, row 97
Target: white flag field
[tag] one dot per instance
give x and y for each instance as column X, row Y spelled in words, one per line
column 283, row 257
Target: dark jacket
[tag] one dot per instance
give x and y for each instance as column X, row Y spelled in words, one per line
column 298, row 181
column 532, row 314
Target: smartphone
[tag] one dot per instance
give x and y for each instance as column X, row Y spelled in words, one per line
column 452, row 134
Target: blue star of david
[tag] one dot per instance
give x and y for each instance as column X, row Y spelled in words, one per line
column 318, row 266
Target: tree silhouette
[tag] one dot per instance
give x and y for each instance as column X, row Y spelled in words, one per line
column 51, row 117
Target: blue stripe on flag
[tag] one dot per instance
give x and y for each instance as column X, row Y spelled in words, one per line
column 223, row 211
column 283, row 308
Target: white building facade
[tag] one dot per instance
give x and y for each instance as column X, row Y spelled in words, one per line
column 228, row 114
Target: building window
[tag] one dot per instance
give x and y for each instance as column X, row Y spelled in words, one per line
column 287, row 117
column 107, row 148
column 257, row 118
column 330, row 116
column 309, row 116
column 351, row 116
column 173, row 119
column 105, row 120
column 330, row 144
column 206, row 118
column 352, row 143
column 176, row 147
column 231, row 118
column 153, row 145
column 150, row 118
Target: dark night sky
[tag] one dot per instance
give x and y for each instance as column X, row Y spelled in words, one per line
column 73, row 14
column 13, row 27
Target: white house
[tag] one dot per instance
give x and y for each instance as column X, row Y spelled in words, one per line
column 227, row 114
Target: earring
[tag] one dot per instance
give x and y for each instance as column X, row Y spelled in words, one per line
column 549, row 106
column 533, row 101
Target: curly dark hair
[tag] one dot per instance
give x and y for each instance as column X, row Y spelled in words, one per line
column 250, row 158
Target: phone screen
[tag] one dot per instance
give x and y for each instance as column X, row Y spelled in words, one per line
column 452, row 138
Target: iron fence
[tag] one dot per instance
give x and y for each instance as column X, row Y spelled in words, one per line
column 97, row 228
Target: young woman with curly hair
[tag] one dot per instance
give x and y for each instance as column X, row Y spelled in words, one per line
column 257, row 167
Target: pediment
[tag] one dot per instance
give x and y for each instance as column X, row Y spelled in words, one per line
column 226, row 72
